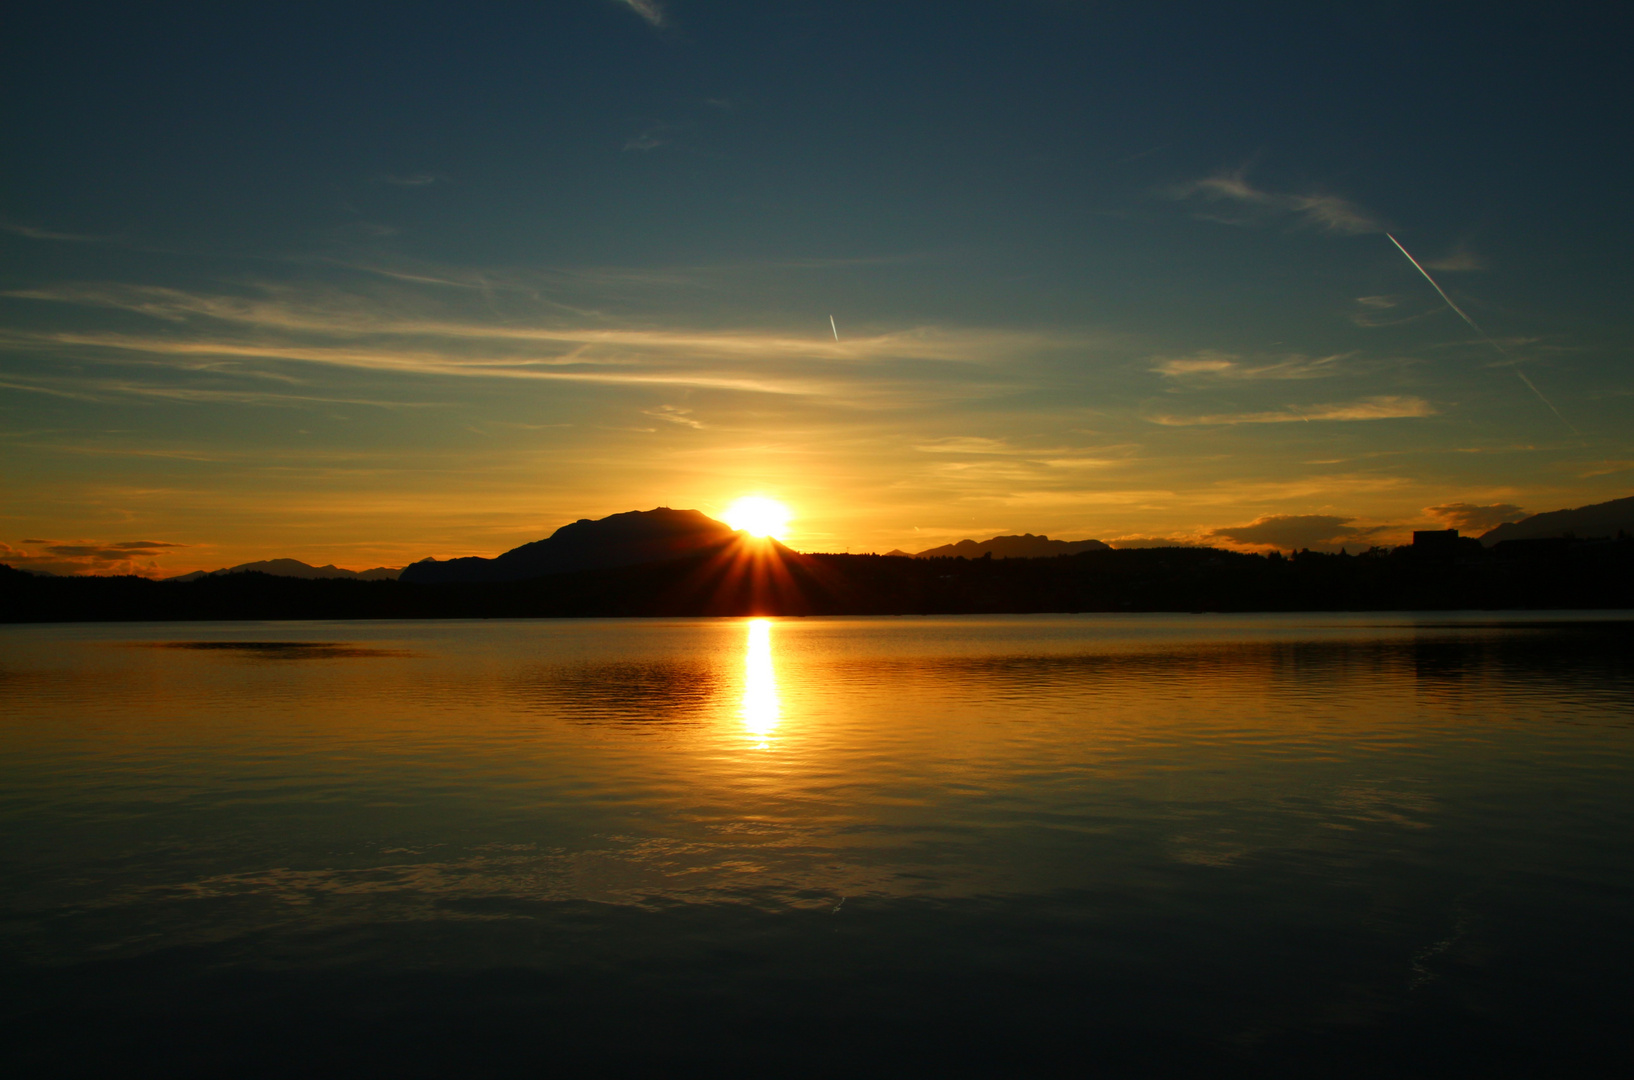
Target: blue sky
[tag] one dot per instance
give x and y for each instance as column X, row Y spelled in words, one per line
column 365, row 283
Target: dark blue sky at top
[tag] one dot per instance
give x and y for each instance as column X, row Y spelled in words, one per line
column 1025, row 145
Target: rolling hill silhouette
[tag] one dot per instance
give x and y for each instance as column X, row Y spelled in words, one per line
column 294, row 568
column 1605, row 519
column 1025, row 546
column 629, row 539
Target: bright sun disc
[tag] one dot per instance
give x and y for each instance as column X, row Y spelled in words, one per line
column 758, row 516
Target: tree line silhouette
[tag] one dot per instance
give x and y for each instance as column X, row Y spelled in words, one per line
column 751, row 577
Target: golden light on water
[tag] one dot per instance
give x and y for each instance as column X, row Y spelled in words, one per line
column 758, row 516
column 761, row 708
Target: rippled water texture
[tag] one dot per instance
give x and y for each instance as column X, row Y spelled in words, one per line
column 1136, row 845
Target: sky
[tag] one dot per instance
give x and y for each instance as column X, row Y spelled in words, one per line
column 363, row 283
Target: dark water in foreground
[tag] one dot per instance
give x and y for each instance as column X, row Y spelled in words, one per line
column 1137, row 845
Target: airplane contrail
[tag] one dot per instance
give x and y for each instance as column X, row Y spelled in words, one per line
column 1472, row 325
column 834, row 328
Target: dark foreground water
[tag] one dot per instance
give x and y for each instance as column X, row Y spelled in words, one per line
column 1138, row 845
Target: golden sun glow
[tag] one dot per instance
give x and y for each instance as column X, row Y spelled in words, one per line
column 758, row 516
column 761, row 709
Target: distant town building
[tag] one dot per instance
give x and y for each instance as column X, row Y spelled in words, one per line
column 1436, row 541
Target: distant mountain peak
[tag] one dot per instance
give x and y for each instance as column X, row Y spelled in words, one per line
column 1025, row 546
column 627, row 539
column 1605, row 519
column 294, row 568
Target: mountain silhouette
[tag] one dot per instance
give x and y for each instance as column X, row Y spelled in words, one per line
column 1605, row 519
column 629, row 539
column 296, row 569
column 1026, row 546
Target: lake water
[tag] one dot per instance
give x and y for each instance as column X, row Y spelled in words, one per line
column 1302, row 845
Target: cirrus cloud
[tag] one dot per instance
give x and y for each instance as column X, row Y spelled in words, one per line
column 1473, row 517
column 1209, row 364
column 1232, row 200
column 1320, row 531
column 87, row 556
column 1388, row 407
column 647, row 9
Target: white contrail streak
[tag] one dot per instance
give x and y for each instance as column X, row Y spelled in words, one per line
column 834, row 328
column 1444, row 295
column 1472, row 325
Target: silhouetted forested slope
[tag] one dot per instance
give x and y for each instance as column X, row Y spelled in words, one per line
column 629, row 539
column 295, row 568
column 743, row 577
column 1026, row 546
column 1605, row 519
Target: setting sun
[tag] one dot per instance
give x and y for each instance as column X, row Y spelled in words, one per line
column 758, row 516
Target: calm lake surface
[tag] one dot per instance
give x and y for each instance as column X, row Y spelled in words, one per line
column 1304, row 845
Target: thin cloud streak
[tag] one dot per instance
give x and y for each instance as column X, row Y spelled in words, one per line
column 1330, row 213
column 674, row 414
column 1297, row 531
column 88, row 556
column 1460, row 261
column 1474, row 516
column 258, row 336
column 435, row 364
column 102, row 391
column 1374, row 408
column 843, row 385
column 1215, row 365
column 33, row 233
column 319, row 316
column 647, row 9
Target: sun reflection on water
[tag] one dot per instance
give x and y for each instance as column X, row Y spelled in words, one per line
column 761, row 709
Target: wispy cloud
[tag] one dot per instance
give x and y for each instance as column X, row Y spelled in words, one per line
column 994, row 455
column 1475, row 517
column 1388, row 407
column 48, row 234
column 674, row 414
column 894, row 382
column 1384, row 310
column 263, row 332
column 966, row 444
column 1297, row 531
column 1216, row 365
column 646, row 140
column 1235, row 201
column 16, row 382
column 106, row 390
column 1609, row 467
column 340, row 313
column 647, row 9
column 571, row 368
column 87, row 556
column 1458, row 260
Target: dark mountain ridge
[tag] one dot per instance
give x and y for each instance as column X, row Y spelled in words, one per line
column 294, row 568
column 744, row 576
column 1603, row 520
column 1025, row 546
column 628, row 539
